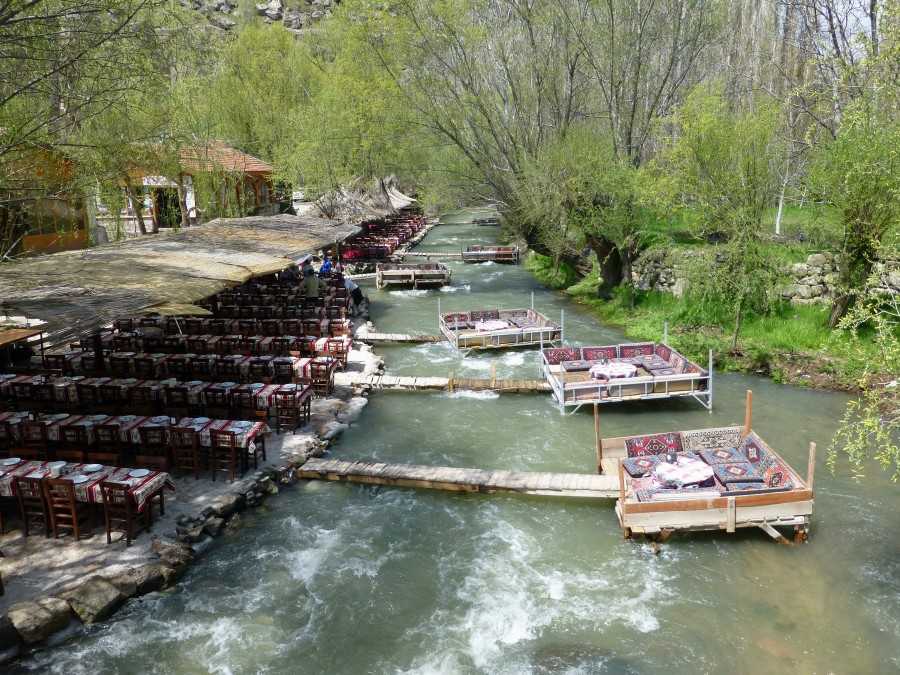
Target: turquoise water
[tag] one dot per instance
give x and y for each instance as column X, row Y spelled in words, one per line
column 336, row 578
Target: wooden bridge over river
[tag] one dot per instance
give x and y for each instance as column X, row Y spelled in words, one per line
column 570, row 485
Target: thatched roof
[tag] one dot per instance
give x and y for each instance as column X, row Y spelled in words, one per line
column 76, row 292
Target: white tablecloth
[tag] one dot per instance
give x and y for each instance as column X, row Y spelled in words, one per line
column 686, row 471
column 607, row 371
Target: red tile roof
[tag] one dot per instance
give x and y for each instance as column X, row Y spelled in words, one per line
column 219, row 156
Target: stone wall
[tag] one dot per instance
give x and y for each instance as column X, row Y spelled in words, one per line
column 663, row 270
column 814, row 281
column 295, row 15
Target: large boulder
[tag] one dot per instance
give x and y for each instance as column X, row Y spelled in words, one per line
column 139, row 580
column 817, row 260
column 10, row 640
column 36, row 621
column 95, row 600
column 172, row 554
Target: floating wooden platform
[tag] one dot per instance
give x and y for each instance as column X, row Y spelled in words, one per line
column 407, row 383
column 573, row 485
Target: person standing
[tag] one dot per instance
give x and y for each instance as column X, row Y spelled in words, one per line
column 356, row 295
column 310, row 282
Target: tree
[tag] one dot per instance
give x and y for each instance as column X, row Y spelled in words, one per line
column 725, row 164
column 859, row 173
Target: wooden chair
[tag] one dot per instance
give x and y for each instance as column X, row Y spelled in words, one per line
column 65, row 511
column 153, row 452
column 322, row 375
column 194, row 325
column 7, row 440
column 34, row 444
column 179, row 367
column 154, row 462
column 32, row 505
column 174, row 344
column 246, row 326
column 282, row 346
column 88, row 397
column 120, row 366
column 22, row 392
column 225, row 454
column 291, row 327
column 177, row 401
column 198, row 345
column 227, row 344
column 218, row 402
column 143, row 400
column 270, row 327
column 217, row 326
column 260, row 370
column 108, row 446
column 201, row 367
column 58, row 363
column 125, row 325
column 228, row 369
column 121, row 513
column 288, row 413
column 186, row 450
column 144, row 368
column 110, row 396
column 284, row 371
column 243, row 404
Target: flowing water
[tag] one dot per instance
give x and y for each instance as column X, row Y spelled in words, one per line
column 337, row 578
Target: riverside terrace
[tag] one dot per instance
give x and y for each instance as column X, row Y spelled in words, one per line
column 624, row 372
column 414, row 275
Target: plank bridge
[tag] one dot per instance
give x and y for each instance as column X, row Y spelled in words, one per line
column 410, row 383
column 453, row 479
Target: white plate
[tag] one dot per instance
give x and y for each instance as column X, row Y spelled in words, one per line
column 35, row 474
column 243, row 425
column 11, row 461
column 160, row 418
column 201, row 420
column 97, row 418
column 78, row 479
column 228, row 384
column 127, row 418
column 56, row 465
column 91, row 468
column 139, row 473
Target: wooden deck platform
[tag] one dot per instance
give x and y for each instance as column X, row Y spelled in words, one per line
column 571, row 485
column 409, row 383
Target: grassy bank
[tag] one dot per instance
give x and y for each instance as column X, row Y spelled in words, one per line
column 792, row 344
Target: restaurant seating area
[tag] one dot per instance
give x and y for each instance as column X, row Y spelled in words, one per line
column 500, row 254
column 94, row 433
column 379, row 239
column 612, row 373
column 498, row 328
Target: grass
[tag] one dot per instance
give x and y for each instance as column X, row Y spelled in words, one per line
column 555, row 276
column 793, row 343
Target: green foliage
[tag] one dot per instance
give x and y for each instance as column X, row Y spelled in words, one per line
column 555, row 275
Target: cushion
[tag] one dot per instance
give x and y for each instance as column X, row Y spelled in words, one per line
column 557, row 355
column 656, row 444
column 636, row 350
column 661, row 372
column 485, row 315
column 753, row 449
column 751, row 488
column 775, row 473
column 711, row 439
column 736, row 472
column 663, row 351
column 574, row 366
column 598, row 353
column 638, row 467
column 722, row 456
column 676, row 362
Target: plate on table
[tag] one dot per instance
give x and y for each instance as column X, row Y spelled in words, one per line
column 201, row 420
column 58, row 416
column 228, row 384
column 288, row 387
column 91, row 468
column 244, row 424
column 78, row 479
column 194, row 383
column 127, row 418
column 56, row 465
column 139, row 473
column 97, row 418
column 159, row 419
column 257, row 385
column 35, row 474
column 11, row 461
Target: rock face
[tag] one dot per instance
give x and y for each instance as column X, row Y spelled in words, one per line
column 662, row 270
column 36, row 621
column 95, row 599
column 295, row 15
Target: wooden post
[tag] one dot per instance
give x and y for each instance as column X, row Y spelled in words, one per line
column 622, row 486
column 811, row 467
column 493, row 375
column 748, row 413
column 599, row 441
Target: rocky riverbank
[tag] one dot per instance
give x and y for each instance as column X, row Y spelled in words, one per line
column 55, row 587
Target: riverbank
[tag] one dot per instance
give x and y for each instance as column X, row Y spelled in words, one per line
column 53, row 588
column 791, row 346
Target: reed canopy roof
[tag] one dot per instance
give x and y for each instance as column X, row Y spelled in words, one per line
column 77, row 292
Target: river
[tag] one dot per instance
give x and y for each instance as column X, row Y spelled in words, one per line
column 337, row 578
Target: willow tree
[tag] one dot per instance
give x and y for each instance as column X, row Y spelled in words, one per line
column 725, row 165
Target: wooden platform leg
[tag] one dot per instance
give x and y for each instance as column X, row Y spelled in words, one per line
column 775, row 534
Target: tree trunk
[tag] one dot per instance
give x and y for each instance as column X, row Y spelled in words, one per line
column 610, row 265
column 738, row 319
column 136, row 204
column 625, row 256
column 182, row 202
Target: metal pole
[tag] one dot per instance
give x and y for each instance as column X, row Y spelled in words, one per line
column 562, row 326
column 439, row 314
column 532, row 301
column 665, row 332
column 709, row 384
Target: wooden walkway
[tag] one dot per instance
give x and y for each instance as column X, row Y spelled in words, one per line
column 408, row 383
column 430, row 254
column 580, row 485
column 381, row 338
